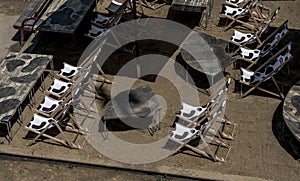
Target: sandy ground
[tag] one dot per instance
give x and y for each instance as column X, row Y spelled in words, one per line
column 261, row 149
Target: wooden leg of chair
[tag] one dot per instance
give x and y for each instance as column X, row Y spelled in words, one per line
column 64, row 136
column 46, row 136
column 39, row 134
column 247, row 92
column 276, row 84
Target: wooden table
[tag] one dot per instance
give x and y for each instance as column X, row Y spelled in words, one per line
column 63, row 16
column 194, row 6
column 291, row 110
column 206, row 54
column 19, row 73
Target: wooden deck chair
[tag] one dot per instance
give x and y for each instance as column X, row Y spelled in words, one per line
column 68, row 72
column 59, row 88
column 240, row 39
column 260, row 12
column 237, row 3
column 253, row 56
column 114, row 6
column 153, row 4
column 274, row 38
column 187, row 132
column 95, row 31
column 237, row 14
column 47, row 117
column 265, row 72
column 106, row 20
column 198, row 114
column 101, row 22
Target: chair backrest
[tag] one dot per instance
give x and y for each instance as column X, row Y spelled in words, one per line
column 267, row 24
column 237, row 2
column 254, row 3
column 270, row 67
column 182, row 133
column 114, row 6
column 117, row 16
column 274, row 38
column 216, row 101
column 233, row 11
column 273, row 15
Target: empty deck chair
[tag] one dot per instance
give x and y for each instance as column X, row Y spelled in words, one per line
column 193, row 114
column 45, row 119
column 49, row 105
column 253, row 56
column 68, row 71
column 237, row 3
column 96, row 31
column 251, row 10
column 115, row 6
column 153, row 4
column 59, row 88
column 200, row 123
column 208, row 145
column 262, row 9
column 237, row 14
column 254, row 79
column 107, row 21
column 274, row 38
column 240, row 38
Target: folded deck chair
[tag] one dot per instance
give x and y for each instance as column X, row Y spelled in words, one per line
column 254, row 79
column 51, row 114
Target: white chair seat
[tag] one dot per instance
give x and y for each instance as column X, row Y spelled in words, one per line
column 39, row 123
column 59, row 87
column 240, row 38
column 95, row 31
column 69, row 71
column 102, row 20
column 235, row 2
column 191, row 112
column 49, row 105
column 182, row 133
column 233, row 12
column 246, row 75
column 250, row 54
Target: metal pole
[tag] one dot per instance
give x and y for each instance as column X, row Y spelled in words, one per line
column 137, row 52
